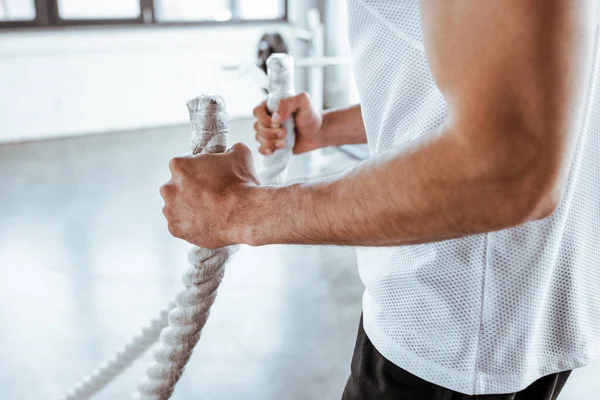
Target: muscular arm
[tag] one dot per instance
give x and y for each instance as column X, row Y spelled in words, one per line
column 514, row 76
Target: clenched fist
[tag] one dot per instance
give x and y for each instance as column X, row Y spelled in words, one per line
column 308, row 120
column 206, row 199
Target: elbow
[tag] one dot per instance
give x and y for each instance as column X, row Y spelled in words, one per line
column 522, row 173
column 524, row 187
column 543, row 182
column 533, row 198
column 517, row 206
column 546, row 203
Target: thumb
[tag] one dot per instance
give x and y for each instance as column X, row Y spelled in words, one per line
column 289, row 106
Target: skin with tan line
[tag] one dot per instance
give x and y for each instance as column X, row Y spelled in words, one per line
column 514, row 77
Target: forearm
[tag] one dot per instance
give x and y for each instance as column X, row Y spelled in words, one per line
column 343, row 126
column 438, row 189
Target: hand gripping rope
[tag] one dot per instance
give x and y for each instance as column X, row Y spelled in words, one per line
column 179, row 327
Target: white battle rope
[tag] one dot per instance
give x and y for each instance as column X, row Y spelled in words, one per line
column 280, row 73
column 181, row 330
column 112, row 368
column 201, row 280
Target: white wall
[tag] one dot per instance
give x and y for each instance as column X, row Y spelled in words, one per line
column 77, row 81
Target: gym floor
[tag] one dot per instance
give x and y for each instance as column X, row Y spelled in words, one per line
column 86, row 260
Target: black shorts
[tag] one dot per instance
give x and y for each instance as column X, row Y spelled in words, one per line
column 373, row 377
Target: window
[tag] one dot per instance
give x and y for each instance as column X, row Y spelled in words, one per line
column 17, row 10
column 98, row 9
column 218, row 10
column 263, row 9
column 51, row 13
column 192, row 10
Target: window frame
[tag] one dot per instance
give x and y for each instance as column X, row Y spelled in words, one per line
column 40, row 20
column 58, row 21
column 47, row 17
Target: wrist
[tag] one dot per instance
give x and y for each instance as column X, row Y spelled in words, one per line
column 250, row 224
column 283, row 214
column 324, row 135
column 342, row 126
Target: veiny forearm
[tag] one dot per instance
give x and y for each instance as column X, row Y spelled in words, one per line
column 343, row 126
column 437, row 189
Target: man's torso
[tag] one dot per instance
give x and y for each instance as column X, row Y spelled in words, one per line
column 487, row 313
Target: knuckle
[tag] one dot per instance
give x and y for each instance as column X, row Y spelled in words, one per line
column 260, row 110
column 166, row 190
column 285, row 102
column 174, row 229
column 241, row 148
column 273, row 134
column 262, row 150
column 265, row 133
column 176, row 164
column 304, row 98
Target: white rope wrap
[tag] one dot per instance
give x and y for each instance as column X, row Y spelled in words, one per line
column 209, row 119
column 280, row 72
column 112, row 368
column 181, row 330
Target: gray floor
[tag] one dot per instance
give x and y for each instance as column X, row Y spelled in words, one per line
column 85, row 260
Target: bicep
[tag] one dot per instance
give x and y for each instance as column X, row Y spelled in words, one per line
column 514, row 74
column 511, row 61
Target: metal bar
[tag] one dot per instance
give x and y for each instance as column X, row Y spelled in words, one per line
column 307, row 62
column 316, row 83
column 322, row 61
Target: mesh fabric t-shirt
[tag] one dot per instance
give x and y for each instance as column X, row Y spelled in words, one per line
column 488, row 313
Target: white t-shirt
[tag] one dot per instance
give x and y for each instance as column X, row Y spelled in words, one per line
column 488, row 313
